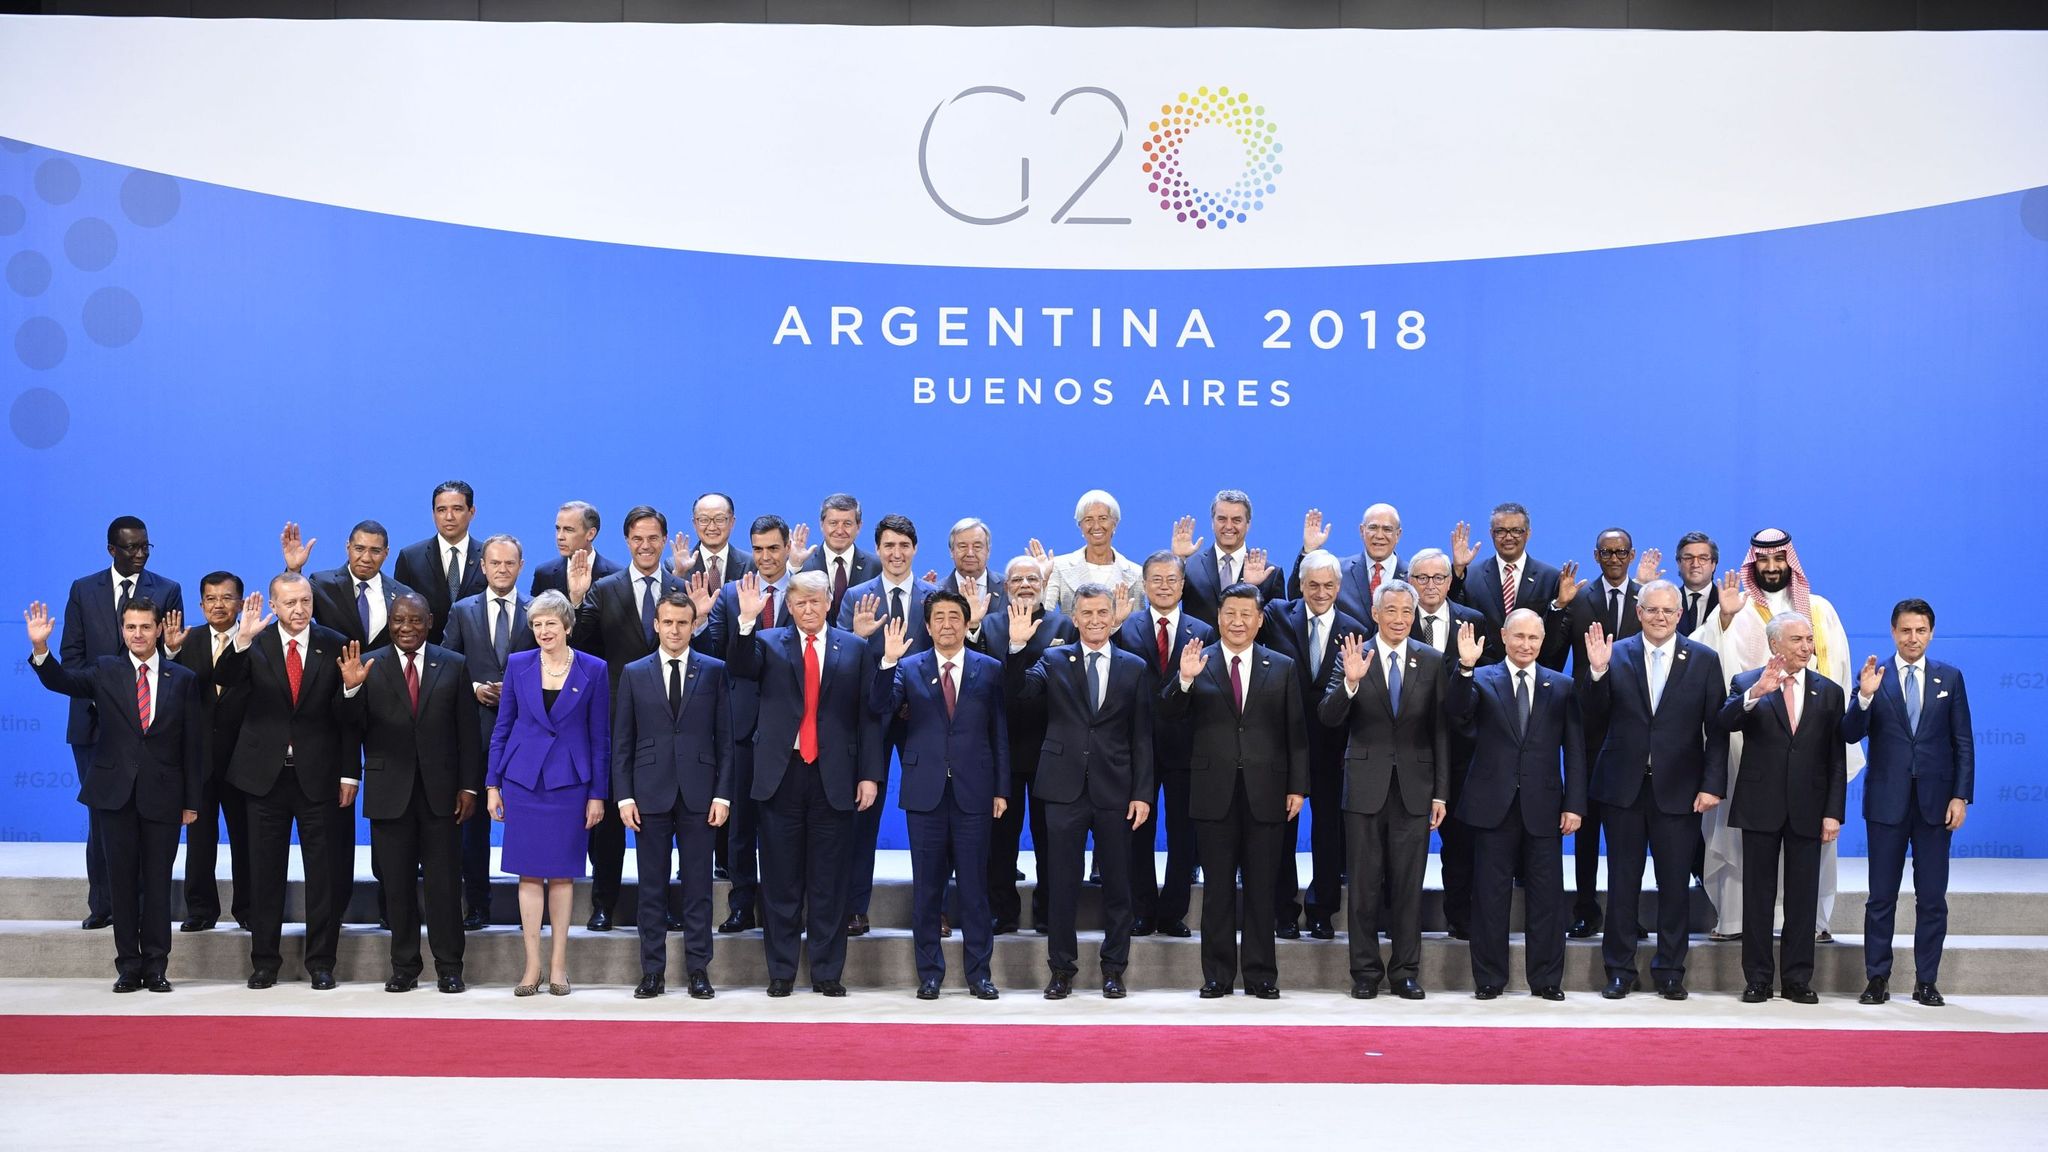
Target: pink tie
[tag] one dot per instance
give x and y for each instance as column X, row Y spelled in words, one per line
column 142, row 695
column 1792, row 704
column 1507, row 591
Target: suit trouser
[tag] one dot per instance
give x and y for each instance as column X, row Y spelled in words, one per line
column 1760, row 856
column 1888, row 843
column 867, row 832
column 139, row 855
column 341, row 837
column 218, row 800
column 1150, row 900
column 689, row 836
column 1066, row 827
column 1239, row 841
column 1005, row 834
column 271, row 817
column 97, row 900
column 804, row 848
column 1326, row 840
column 1670, row 840
column 742, row 833
column 476, row 843
column 608, row 860
column 945, row 843
column 1586, row 862
column 419, row 843
column 1389, row 851
column 1456, row 847
column 1496, row 852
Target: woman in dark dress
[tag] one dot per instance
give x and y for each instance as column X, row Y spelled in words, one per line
column 550, row 776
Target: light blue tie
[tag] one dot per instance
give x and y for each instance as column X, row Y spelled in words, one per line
column 1094, row 682
column 1394, row 681
column 1315, row 648
column 1912, row 698
column 1657, row 674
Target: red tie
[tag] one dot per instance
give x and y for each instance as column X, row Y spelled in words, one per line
column 946, row 687
column 807, row 732
column 1375, row 589
column 1165, row 647
column 767, row 608
column 294, row 670
column 142, row 695
column 1507, row 591
column 412, row 681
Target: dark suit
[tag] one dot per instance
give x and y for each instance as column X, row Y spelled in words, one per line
column 1648, row 769
column 738, row 562
column 739, row 839
column 1454, row 835
column 290, row 759
column 1396, row 761
column 1789, row 782
column 92, row 628
column 1696, row 608
column 1245, row 764
column 218, row 800
column 672, row 763
column 864, row 566
column 956, row 761
column 423, row 567
column 807, row 807
column 470, row 634
column 1286, row 631
column 867, row 826
column 1354, row 585
column 1589, row 607
column 553, row 576
column 1520, row 782
column 417, row 757
column 1027, row 736
column 1535, row 587
column 1203, row 594
column 1170, row 750
column 1093, row 762
column 998, row 595
column 1914, row 772
column 142, row 780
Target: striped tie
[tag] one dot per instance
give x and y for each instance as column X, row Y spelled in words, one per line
column 142, row 694
column 1507, row 591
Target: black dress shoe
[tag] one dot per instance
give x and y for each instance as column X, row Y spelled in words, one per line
column 928, row 990
column 323, row 981
column 198, row 924
column 700, row 986
column 738, row 922
column 600, row 920
column 720, row 872
column 651, row 986
column 96, row 922
column 1458, row 932
column 983, row 989
column 1113, row 986
column 1876, row 992
column 856, row 925
column 1552, row 992
column 474, row 921
column 401, row 984
column 1800, row 994
column 1215, row 990
column 1141, row 927
column 383, row 925
column 1410, row 989
column 1755, row 993
column 828, row 987
column 1263, row 991
column 1671, row 989
column 1287, row 930
column 675, row 922
column 1322, row 930
column 1176, row 928
column 128, row 984
column 1583, row 928
column 1486, row 992
column 1928, row 994
column 1365, row 989
column 155, row 982
column 262, row 979
column 1618, row 988
column 1004, row 927
column 779, row 988
column 452, row 985
column 1060, row 986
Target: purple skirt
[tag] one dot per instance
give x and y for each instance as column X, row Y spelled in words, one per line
column 544, row 833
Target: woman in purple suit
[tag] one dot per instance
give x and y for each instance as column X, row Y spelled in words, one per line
column 550, row 776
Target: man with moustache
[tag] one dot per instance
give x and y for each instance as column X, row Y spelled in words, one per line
column 220, row 598
column 1210, row 570
column 843, row 561
column 1025, row 581
column 448, row 565
column 1361, row 576
column 1512, row 579
column 485, row 630
column 576, row 525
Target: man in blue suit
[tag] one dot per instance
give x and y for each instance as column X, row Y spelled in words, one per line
column 956, row 779
column 814, row 740
column 1661, row 763
column 1923, row 777
column 147, row 773
column 841, row 558
column 448, row 565
column 672, row 777
column 1360, row 575
column 1211, row 570
column 1525, row 792
column 93, row 628
column 485, row 629
column 1512, row 579
column 1023, row 584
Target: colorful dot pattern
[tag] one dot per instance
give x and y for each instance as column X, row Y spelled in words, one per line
column 1222, row 109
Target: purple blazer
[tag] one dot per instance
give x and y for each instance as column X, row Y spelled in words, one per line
column 542, row 749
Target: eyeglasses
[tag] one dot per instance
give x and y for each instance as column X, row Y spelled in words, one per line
column 142, row 549
column 1419, row 578
column 714, row 521
column 1614, row 553
column 1650, row 610
column 1500, row 531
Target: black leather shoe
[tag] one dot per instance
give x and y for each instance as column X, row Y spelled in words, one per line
column 262, row 979
column 1458, row 932
column 1287, row 930
column 1410, row 989
column 928, row 990
column 128, row 984
column 383, row 925
column 1618, row 988
column 1583, row 929
column 1486, row 992
column 1141, row 927
column 474, row 921
column 1876, row 992
column 1553, row 992
column 452, row 985
column 1800, row 994
column 720, row 872
column 198, row 924
column 738, row 922
column 1322, row 930
column 856, row 925
column 400, row 984
column 700, row 986
column 1177, row 929
column 779, row 988
column 828, row 988
column 155, row 982
column 323, row 981
column 983, row 989
column 600, row 920
column 1215, row 990
column 1113, row 986
column 1365, row 989
column 651, row 986
column 1672, row 989
column 1756, row 993
column 1263, row 991
column 1004, row 927
column 675, row 922
column 96, row 922
column 1060, row 986
column 1928, row 994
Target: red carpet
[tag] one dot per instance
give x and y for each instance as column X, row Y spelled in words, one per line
column 1025, row 1053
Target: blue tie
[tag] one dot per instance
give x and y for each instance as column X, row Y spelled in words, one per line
column 1094, row 681
column 363, row 607
column 1912, row 698
column 647, row 607
column 1394, row 681
column 501, row 633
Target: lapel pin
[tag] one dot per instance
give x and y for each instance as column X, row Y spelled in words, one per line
column 1073, row 659
column 1937, row 679
column 1681, row 654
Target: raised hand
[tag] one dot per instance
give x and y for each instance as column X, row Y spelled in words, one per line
column 1871, row 678
column 354, row 669
column 1314, row 533
column 749, row 595
column 295, row 553
column 1731, row 596
column 1192, row 660
column 174, row 630
column 1256, row 568
column 1357, row 659
column 40, row 625
column 1773, row 678
column 1042, row 558
column 682, row 559
column 895, row 641
column 1568, row 582
column 252, row 620
column 867, row 615
column 703, row 594
column 1120, row 605
column 1185, row 542
column 1470, row 646
column 1599, row 649
column 799, row 547
column 1023, row 625
column 577, row 576
column 1647, row 565
column 977, row 605
column 1463, row 552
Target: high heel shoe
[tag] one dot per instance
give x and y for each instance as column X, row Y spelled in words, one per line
column 555, row 989
column 526, row 989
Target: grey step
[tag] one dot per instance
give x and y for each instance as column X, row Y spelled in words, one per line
column 1972, row 965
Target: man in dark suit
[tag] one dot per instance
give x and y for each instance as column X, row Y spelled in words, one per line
column 1698, row 559
column 672, row 774
column 1094, row 773
column 93, row 628
column 1525, row 791
column 968, row 543
column 145, row 779
column 1212, row 569
column 1661, row 762
column 842, row 559
column 715, row 555
column 956, row 779
column 423, row 763
column 448, row 565
column 1025, row 581
column 1249, row 774
column 576, row 525
column 1310, row 631
column 485, row 630
column 1391, row 702
column 1359, row 576
column 1789, row 800
column 1611, row 604
column 294, row 759
column 1157, row 633
column 615, row 621
column 1511, row 579
column 1923, row 777
column 1437, row 620
column 814, row 740
column 220, row 598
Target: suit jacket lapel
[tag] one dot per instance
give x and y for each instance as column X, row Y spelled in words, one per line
column 571, row 688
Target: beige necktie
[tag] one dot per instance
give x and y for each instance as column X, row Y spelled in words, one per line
column 220, row 645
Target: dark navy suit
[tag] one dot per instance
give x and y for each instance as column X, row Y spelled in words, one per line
column 1535, row 587
column 1286, row 631
column 1027, row 737
column 469, row 634
column 1354, row 585
column 1454, row 835
column 553, row 576
column 221, row 801
column 867, row 826
column 741, row 834
column 1589, row 607
column 1204, row 594
column 423, row 567
column 1171, row 747
column 861, row 566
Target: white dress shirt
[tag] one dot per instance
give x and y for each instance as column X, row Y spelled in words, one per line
column 134, row 587
column 1236, row 565
column 375, row 597
column 1108, row 659
column 459, row 552
column 1439, row 627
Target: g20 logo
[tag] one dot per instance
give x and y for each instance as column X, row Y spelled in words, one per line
column 1215, row 199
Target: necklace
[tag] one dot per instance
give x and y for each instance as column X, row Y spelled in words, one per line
column 555, row 670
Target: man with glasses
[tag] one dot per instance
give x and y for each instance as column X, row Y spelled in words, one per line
column 1157, row 633
column 220, row 598
column 715, row 555
column 1512, row 579
column 1361, row 575
column 1437, row 620
column 1609, row 605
